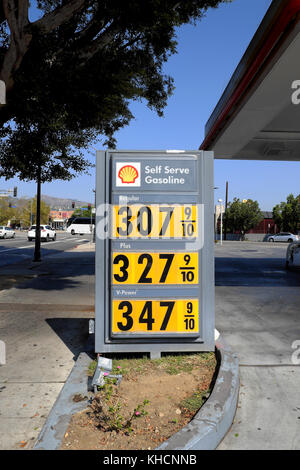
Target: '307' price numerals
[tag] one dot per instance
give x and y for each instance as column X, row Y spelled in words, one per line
column 155, row 316
column 155, row 221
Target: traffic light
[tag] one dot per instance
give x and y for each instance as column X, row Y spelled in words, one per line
column 15, row 191
column 89, row 207
column 73, row 205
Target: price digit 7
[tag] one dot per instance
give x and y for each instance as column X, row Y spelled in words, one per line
column 170, row 306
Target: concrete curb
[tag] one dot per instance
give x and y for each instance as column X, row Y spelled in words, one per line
column 204, row 432
column 57, row 423
column 212, row 422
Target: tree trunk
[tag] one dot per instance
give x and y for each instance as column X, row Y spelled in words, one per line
column 37, row 247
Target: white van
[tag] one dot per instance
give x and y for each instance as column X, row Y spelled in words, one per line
column 80, row 225
column 293, row 256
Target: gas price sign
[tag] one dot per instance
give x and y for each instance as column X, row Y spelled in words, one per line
column 154, row 253
column 155, row 221
column 155, row 268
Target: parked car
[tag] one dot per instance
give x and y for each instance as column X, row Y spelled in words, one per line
column 47, row 233
column 283, row 237
column 293, row 256
column 7, row 232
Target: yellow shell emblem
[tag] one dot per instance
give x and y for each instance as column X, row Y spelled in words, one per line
column 128, row 174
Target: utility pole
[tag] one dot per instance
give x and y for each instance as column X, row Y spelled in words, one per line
column 226, row 203
column 94, row 231
column 31, row 223
column 221, row 228
column 37, row 247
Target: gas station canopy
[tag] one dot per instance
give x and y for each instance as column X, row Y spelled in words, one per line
column 258, row 115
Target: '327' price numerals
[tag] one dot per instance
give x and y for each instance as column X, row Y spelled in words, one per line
column 155, row 268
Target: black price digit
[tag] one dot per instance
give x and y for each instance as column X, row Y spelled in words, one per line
column 144, row 279
column 188, row 212
column 188, row 276
column 169, row 212
column 187, row 272
column 188, row 229
column 189, row 323
column 187, row 259
column 144, row 230
column 126, row 315
column 170, row 306
column 146, row 315
column 189, row 307
column 123, row 259
column 169, row 257
column 126, row 221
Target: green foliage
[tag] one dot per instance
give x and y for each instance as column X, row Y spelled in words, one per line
column 242, row 216
column 30, row 205
column 19, row 213
column 194, row 403
column 108, row 411
column 286, row 215
column 71, row 74
column 82, row 212
column 6, row 213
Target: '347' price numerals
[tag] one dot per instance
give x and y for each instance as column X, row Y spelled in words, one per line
column 157, row 316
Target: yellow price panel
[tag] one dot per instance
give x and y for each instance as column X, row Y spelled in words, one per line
column 155, row 316
column 155, row 221
column 155, row 268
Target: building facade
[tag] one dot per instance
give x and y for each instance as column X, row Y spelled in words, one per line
column 59, row 218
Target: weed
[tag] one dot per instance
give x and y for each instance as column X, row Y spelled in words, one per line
column 172, row 364
column 194, row 403
column 107, row 409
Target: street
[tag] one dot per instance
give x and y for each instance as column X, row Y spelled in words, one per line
column 257, row 313
column 13, row 250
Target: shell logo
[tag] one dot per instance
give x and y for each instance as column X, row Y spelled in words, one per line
column 128, row 174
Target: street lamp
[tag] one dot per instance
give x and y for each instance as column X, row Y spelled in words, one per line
column 221, row 231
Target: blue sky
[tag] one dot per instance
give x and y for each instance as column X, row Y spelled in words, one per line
column 207, row 56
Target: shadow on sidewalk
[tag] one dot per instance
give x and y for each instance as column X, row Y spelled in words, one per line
column 74, row 332
column 57, row 274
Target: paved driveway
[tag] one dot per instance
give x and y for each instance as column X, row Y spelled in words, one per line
column 258, row 313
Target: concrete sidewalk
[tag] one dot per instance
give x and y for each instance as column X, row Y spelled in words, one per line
column 257, row 312
column 44, row 323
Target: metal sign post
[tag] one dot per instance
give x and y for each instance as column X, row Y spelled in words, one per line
column 154, row 252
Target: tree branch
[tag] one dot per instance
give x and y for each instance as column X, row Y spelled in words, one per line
column 21, row 35
column 17, row 19
column 59, row 16
column 86, row 53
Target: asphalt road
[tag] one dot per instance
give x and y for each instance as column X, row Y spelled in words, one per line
column 253, row 264
column 13, row 250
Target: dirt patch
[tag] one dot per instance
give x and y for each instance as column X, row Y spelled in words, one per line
column 154, row 400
